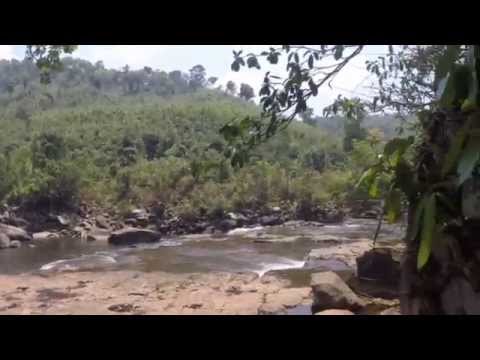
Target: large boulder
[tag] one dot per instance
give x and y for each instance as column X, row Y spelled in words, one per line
column 14, row 233
column 4, row 241
column 130, row 236
column 331, row 292
column 379, row 265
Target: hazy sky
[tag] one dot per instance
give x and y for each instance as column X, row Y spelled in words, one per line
column 352, row 81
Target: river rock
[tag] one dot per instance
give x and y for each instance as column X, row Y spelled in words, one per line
column 227, row 224
column 237, row 217
column 62, row 220
column 14, row 244
column 4, row 241
column 97, row 234
column 14, row 233
column 45, row 235
column 379, row 265
column 331, row 292
column 15, row 221
column 141, row 216
column 335, row 312
column 270, row 220
column 102, row 222
column 129, row 236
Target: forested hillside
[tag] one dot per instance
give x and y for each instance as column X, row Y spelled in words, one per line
column 129, row 138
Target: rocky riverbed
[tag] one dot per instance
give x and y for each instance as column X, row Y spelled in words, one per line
column 282, row 268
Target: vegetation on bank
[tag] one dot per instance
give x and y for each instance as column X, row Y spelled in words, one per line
column 131, row 138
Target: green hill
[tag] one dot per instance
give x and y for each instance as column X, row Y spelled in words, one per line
column 129, row 138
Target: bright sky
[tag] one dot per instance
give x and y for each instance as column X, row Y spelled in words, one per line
column 352, row 81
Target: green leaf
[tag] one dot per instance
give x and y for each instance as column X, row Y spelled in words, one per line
column 273, row 58
column 393, row 205
column 374, row 190
column 253, row 62
column 338, row 52
column 235, row 66
column 397, row 144
column 366, row 178
column 396, row 148
column 313, row 87
column 230, row 132
column 456, row 148
column 310, row 62
column 468, row 159
column 428, row 229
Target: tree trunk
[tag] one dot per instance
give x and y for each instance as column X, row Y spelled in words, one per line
column 450, row 281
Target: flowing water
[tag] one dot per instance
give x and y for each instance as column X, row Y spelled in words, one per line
column 279, row 248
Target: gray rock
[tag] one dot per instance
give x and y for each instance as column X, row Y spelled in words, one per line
column 270, row 220
column 4, row 241
column 62, row 220
column 85, row 224
column 239, row 218
column 140, row 217
column 331, row 292
column 102, row 222
column 15, row 221
column 227, row 224
column 15, row 244
column 45, row 235
column 97, row 234
column 379, row 265
column 129, row 236
column 15, row 233
column 138, row 213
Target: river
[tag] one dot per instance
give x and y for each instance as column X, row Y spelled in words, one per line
column 260, row 250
